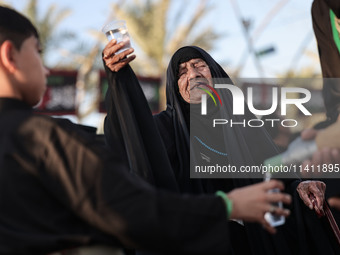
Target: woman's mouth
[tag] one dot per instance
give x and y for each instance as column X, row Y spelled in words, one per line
column 198, row 84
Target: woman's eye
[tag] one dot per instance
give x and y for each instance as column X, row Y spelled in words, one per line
column 181, row 74
column 200, row 67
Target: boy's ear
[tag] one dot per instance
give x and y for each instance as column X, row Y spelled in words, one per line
column 7, row 56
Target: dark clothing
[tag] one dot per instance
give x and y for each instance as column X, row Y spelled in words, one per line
column 328, row 53
column 127, row 107
column 129, row 124
column 243, row 146
column 330, row 65
column 60, row 188
column 180, row 121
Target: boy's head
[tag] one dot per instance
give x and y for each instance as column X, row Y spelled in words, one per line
column 15, row 27
column 22, row 73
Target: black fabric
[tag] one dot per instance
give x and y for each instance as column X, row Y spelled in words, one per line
column 330, row 66
column 129, row 123
column 60, row 188
column 328, row 53
column 243, row 145
column 334, row 5
column 239, row 239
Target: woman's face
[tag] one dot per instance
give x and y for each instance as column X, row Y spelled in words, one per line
column 193, row 76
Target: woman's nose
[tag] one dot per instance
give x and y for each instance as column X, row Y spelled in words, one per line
column 193, row 73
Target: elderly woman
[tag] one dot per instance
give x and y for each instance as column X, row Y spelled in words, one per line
column 128, row 112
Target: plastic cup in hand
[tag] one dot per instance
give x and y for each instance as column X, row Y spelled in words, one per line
column 117, row 30
column 273, row 219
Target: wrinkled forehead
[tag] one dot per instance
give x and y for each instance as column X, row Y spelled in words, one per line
column 192, row 62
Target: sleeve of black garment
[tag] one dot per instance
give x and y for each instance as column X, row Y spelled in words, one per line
column 328, row 53
column 129, row 121
column 335, row 6
column 85, row 177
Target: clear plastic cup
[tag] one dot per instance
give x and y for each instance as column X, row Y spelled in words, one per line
column 272, row 219
column 117, row 30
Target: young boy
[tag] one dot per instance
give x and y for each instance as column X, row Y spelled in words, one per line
column 60, row 189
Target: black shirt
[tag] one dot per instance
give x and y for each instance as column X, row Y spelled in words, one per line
column 60, row 188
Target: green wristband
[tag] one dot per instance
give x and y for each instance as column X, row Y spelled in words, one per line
column 227, row 201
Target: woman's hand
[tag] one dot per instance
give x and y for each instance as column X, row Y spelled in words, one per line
column 115, row 61
column 317, row 188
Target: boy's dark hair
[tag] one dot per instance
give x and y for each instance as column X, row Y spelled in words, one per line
column 15, row 27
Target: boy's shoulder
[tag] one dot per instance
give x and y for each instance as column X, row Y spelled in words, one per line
column 45, row 123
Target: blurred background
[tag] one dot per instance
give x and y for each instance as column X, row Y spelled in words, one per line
column 249, row 38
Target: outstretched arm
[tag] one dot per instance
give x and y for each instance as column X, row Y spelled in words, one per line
column 129, row 121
